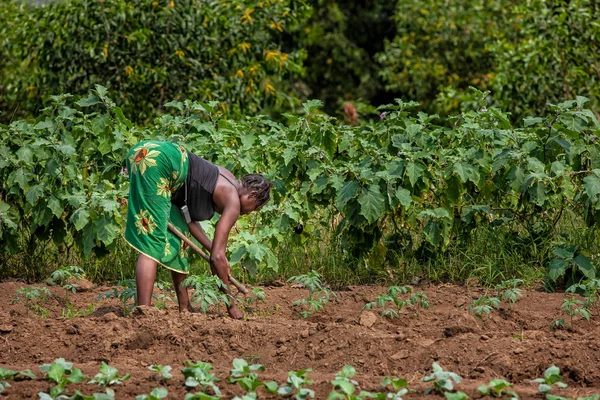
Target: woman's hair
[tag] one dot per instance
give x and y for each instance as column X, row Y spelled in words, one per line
column 258, row 187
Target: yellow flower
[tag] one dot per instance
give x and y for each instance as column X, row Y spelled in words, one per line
column 179, row 53
column 163, row 188
column 276, row 26
column 128, row 70
column 143, row 158
column 106, row 50
column 269, row 89
column 239, row 73
column 172, row 4
column 244, row 46
column 145, row 223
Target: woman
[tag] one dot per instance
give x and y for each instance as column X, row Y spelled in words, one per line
column 164, row 177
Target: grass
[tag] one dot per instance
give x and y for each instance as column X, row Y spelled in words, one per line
column 486, row 255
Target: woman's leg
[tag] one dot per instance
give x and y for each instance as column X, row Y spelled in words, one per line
column 182, row 292
column 145, row 274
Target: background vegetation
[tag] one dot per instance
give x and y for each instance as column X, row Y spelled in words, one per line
column 501, row 183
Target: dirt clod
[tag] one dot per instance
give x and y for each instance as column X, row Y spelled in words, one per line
column 368, row 319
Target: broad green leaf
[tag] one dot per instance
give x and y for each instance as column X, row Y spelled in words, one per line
column 80, row 218
column 346, row 193
column 372, row 203
column 89, row 101
column 34, row 193
column 585, row 266
column 311, row 105
column 404, row 197
column 25, row 154
column 21, row 177
column 414, row 171
column 433, row 232
column 106, row 229
column 55, row 206
column 47, row 124
column 591, row 183
column 557, row 268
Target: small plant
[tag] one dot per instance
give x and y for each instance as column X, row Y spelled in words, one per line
column 296, row 382
column 33, row 296
column 456, row 396
column 155, row 394
column 4, row 385
column 10, row 374
column 245, row 375
column 108, row 375
column 551, row 378
column 199, row 396
column 400, row 387
column 442, row 380
column 345, row 386
column 61, row 373
column 207, row 291
column 589, row 289
column 124, row 291
column 318, row 295
column 199, row 374
column 391, row 298
column 164, row 296
column 497, row 388
column 108, row 395
column 65, row 277
column 573, row 307
column 163, row 370
column 483, row 306
column 258, row 295
column 509, row 291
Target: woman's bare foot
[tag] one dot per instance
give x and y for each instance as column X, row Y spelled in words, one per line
column 235, row 313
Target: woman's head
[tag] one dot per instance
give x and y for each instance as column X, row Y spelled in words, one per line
column 256, row 192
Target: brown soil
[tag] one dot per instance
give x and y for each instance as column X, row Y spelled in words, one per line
column 516, row 344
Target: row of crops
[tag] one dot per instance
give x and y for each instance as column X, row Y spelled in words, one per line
column 410, row 182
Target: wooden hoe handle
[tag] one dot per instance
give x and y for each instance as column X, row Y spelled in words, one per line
column 198, row 250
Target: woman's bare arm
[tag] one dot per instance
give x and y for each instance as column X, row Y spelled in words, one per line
column 198, row 233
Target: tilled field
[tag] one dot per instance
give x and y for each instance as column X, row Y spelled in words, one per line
column 516, row 344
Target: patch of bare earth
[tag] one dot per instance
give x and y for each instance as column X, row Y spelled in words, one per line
column 516, row 344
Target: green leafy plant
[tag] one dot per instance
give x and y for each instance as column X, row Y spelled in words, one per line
column 61, row 373
column 164, row 296
column 456, row 396
column 509, row 291
column 318, row 295
column 10, row 374
column 108, row 375
column 257, row 295
column 66, row 278
column 200, row 396
column 399, row 385
column 4, row 385
column 207, row 291
column 442, row 380
column 574, row 307
column 33, row 296
column 498, row 388
column 199, row 374
column 345, row 386
column 246, row 376
column 483, row 306
column 296, row 385
column 109, row 394
column 164, row 371
column 155, row 394
column 391, row 297
column 589, row 289
column 550, row 379
column 568, row 262
column 124, row 291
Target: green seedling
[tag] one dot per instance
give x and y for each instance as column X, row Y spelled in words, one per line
column 456, row 396
column 508, row 291
column 400, row 387
column 163, row 370
column 573, row 307
column 589, row 289
column 442, row 380
column 318, row 295
column 155, row 394
column 200, row 396
column 258, row 295
column 33, row 295
column 247, row 396
column 483, row 306
column 199, row 374
column 124, row 291
column 108, row 395
column 246, row 376
column 497, row 388
column 207, row 291
column 391, row 298
column 551, row 378
column 164, row 296
column 108, row 376
column 4, row 385
column 344, row 386
column 16, row 375
column 62, row 373
column 65, row 277
column 296, row 382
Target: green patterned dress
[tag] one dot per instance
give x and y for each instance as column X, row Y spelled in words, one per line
column 156, row 169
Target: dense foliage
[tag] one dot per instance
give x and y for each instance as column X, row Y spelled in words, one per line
column 149, row 52
column 403, row 184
